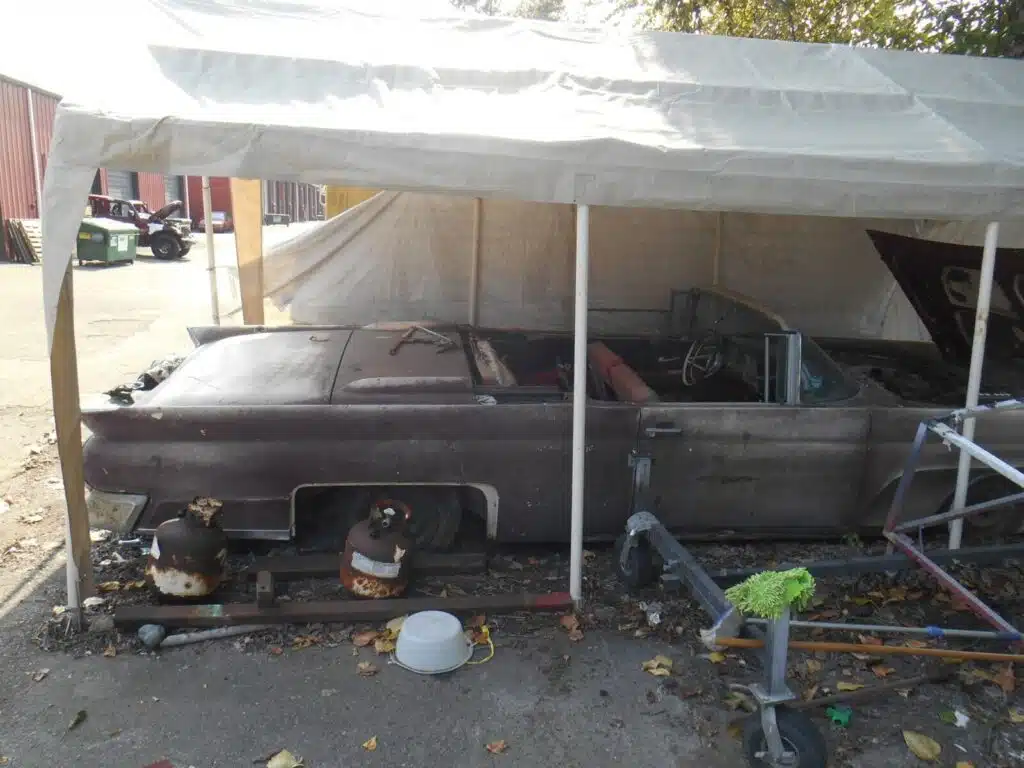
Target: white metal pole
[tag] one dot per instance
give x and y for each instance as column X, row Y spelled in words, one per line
column 34, row 146
column 579, row 403
column 474, row 265
column 188, row 203
column 211, row 259
column 963, row 471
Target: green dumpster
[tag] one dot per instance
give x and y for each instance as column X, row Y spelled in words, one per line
column 107, row 241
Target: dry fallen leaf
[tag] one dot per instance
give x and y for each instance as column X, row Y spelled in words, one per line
column 588, row 555
column 810, row 693
column 362, row 639
column 40, row 675
column 108, row 586
column 383, row 645
column 476, row 621
column 497, row 747
column 659, row 666
column 395, row 625
column 881, row 671
column 735, row 730
column 1016, row 716
column 904, row 692
column 916, row 644
column 869, row 640
column 569, row 622
column 845, row 686
column 5, row 760
column 370, row 745
column 367, row 669
column 78, row 719
column 276, row 651
column 716, row 657
column 924, row 747
column 303, row 641
column 1005, row 678
column 737, row 700
column 284, row 759
column 813, row 666
column 110, row 651
column 141, row 584
column 964, row 764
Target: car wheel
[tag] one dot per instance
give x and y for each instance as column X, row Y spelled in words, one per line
column 165, row 247
column 1000, row 521
column 436, row 512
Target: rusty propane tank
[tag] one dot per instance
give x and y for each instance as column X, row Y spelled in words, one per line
column 187, row 558
column 376, row 559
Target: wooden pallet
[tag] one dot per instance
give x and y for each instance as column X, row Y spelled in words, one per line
column 24, row 241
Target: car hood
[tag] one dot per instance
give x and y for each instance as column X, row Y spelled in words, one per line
column 172, row 207
column 941, row 281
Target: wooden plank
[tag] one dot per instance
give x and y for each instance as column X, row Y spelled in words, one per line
column 247, row 216
column 228, row 614
column 291, row 567
column 67, row 418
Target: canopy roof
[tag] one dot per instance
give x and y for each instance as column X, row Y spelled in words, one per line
column 325, row 92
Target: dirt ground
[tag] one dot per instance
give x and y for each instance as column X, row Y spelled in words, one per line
column 553, row 697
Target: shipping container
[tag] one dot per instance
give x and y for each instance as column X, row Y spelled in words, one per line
column 17, row 175
column 220, row 197
column 151, row 189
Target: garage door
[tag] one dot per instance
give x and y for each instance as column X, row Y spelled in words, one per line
column 121, row 184
column 172, row 188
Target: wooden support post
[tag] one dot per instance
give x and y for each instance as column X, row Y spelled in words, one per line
column 247, row 215
column 67, row 417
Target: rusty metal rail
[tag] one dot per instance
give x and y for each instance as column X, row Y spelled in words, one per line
column 229, row 614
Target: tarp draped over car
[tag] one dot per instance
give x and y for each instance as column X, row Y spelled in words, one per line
column 320, row 92
column 404, row 255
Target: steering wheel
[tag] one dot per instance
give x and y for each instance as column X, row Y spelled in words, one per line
column 703, row 360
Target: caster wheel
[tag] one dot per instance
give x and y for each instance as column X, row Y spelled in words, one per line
column 639, row 570
column 800, row 736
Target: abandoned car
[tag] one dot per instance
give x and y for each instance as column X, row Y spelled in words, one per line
column 168, row 236
column 751, row 428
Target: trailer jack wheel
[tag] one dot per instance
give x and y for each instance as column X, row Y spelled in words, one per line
column 802, row 742
column 636, row 566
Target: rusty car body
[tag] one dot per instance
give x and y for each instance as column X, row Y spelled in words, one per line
column 742, row 425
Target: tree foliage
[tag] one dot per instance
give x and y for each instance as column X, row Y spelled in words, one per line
column 544, row 10
column 978, row 27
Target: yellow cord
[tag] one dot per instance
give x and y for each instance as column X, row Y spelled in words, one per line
column 484, row 637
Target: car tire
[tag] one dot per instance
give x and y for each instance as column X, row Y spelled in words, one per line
column 436, row 512
column 165, row 247
column 1001, row 521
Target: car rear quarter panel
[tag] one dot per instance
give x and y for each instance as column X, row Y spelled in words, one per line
column 892, row 433
column 254, row 458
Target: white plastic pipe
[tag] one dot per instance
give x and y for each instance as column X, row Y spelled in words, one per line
column 579, row 403
column 963, row 470
column 474, row 265
column 211, row 259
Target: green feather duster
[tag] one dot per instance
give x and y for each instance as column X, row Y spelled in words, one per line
column 767, row 594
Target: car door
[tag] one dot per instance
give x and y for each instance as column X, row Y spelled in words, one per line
column 721, row 467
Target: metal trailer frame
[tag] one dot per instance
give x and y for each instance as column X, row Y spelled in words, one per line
column 679, row 566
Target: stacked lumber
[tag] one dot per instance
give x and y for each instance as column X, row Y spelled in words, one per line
column 24, row 241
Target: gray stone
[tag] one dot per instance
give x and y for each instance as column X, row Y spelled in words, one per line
column 152, row 635
column 101, row 623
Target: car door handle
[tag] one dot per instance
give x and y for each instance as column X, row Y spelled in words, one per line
column 664, row 428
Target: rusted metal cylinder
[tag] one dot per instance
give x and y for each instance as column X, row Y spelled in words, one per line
column 186, row 560
column 377, row 557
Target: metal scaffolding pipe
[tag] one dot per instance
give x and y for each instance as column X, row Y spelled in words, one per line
column 579, row 403
column 963, row 471
column 211, row 259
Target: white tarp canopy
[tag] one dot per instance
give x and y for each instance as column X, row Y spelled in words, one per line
column 319, row 92
column 327, row 93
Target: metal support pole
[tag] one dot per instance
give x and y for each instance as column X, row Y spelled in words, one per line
column 474, row 265
column 579, row 402
column 34, row 145
column 211, row 259
column 963, row 472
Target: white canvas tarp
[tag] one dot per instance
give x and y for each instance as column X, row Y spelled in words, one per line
column 316, row 91
column 406, row 256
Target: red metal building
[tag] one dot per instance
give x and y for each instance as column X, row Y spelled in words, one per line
column 17, row 173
